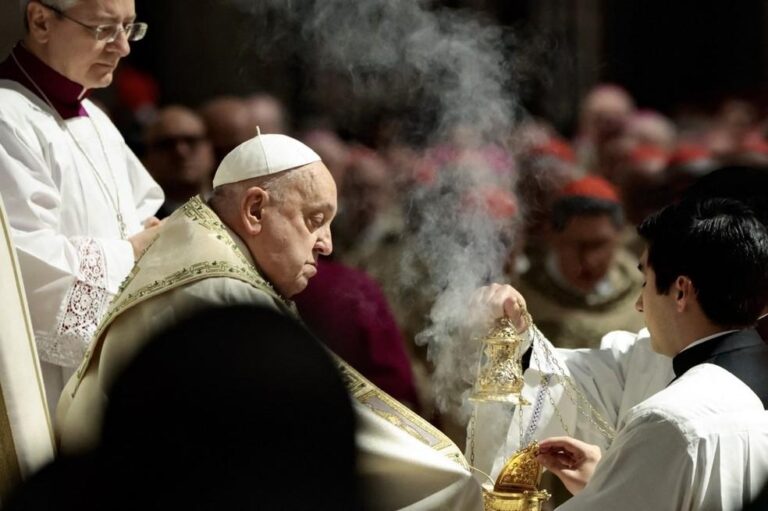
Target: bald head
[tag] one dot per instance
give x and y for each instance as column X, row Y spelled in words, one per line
column 604, row 111
column 229, row 122
column 647, row 127
column 268, row 113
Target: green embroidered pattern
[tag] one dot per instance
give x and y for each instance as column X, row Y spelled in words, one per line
column 201, row 215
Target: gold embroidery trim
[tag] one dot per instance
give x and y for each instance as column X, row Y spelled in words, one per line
column 394, row 412
column 186, row 275
column 199, row 213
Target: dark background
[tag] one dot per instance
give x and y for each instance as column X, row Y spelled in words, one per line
column 671, row 55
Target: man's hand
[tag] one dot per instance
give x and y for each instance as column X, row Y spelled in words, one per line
column 497, row 300
column 571, row 460
column 142, row 240
column 152, row 221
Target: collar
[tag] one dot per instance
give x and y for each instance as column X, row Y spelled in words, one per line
column 65, row 95
column 708, row 348
column 707, row 338
column 762, row 327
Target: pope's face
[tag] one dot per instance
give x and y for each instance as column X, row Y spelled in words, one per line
column 72, row 49
column 296, row 229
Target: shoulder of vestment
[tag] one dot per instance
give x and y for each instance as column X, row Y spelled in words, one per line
column 703, row 393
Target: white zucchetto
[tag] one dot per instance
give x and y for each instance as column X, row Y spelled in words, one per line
column 261, row 156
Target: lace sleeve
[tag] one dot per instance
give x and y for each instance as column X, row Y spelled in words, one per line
column 82, row 309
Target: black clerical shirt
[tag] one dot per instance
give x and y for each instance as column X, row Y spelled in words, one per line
column 743, row 354
column 762, row 327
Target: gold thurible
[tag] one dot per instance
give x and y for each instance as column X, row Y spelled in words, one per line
column 516, row 487
column 500, row 374
column 500, row 379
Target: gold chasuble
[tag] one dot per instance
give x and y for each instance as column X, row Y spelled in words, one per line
column 197, row 262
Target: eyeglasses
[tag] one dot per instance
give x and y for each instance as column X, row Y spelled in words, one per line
column 107, row 33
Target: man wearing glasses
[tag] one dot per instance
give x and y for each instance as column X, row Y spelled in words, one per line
column 179, row 156
column 80, row 204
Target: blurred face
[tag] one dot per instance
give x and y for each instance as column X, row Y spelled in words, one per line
column 367, row 189
column 72, row 50
column 229, row 123
column 267, row 114
column 178, row 152
column 296, row 229
column 585, row 249
column 656, row 309
column 605, row 112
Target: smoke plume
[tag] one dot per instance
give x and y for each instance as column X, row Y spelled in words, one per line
column 454, row 70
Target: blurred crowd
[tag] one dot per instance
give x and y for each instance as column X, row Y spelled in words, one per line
column 567, row 219
column 391, row 204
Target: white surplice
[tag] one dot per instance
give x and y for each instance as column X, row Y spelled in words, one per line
column 621, row 374
column 63, row 224
column 699, row 444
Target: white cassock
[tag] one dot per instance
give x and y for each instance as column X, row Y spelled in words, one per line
column 621, row 374
column 699, row 444
column 63, row 224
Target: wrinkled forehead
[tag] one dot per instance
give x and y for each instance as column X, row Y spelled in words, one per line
column 316, row 186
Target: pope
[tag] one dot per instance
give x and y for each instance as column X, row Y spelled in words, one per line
column 257, row 241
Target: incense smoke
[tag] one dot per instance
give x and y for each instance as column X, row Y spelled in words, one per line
column 453, row 67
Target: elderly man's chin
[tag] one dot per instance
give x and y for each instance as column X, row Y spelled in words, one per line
column 99, row 76
column 296, row 286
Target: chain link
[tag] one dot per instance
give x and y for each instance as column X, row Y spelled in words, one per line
column 581, row 402
column 549, row 395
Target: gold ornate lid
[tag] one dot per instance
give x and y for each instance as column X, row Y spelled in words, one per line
column 503, row 330
column 522, row 472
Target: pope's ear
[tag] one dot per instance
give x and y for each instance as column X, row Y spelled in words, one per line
column 39, row 21
column 251, row 209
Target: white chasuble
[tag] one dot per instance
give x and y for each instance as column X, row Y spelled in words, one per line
column 405, row 463
column 62, row 212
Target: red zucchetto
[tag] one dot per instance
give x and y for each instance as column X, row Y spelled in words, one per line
column 592, row 187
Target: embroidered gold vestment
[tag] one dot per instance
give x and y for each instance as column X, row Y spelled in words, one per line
column 195, row 262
